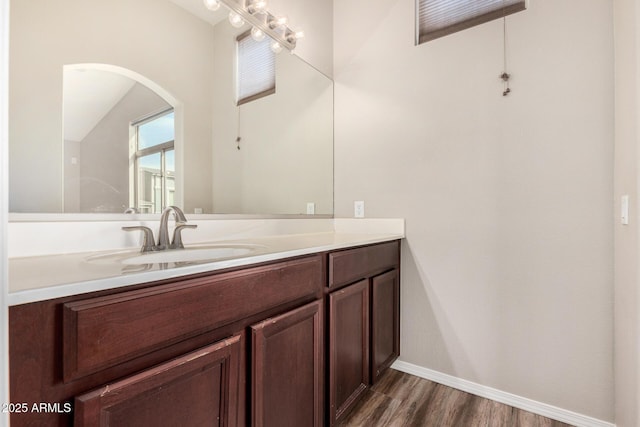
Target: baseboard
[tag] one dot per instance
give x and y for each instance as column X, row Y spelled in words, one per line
column 519, row 402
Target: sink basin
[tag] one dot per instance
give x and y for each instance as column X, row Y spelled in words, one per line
column 189, row 255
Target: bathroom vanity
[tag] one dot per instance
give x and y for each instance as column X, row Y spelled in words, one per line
column 287, row 342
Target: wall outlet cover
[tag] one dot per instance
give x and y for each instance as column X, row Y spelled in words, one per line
column 311, row 208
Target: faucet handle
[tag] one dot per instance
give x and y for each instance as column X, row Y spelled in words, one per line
column 147, row 237
column 176, row 243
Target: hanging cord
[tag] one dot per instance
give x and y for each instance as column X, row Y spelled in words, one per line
column 504, row 76
column 238, row 137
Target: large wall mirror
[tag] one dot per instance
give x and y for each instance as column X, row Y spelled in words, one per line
column 133, row 105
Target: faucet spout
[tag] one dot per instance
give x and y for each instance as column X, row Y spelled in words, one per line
column 163, row 232
column 164, row 242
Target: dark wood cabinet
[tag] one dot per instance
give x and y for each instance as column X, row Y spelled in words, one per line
column 349, row 347
column 137, row 322
column 137, row 356
column 385, row 322
column 286, row 369
column 293, row 342
column 364, row 321
column 199, row 389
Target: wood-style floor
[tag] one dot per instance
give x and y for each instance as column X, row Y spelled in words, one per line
column 400, row 399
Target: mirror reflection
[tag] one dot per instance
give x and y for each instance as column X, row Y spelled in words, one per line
column 118, row 142
column 111, row 112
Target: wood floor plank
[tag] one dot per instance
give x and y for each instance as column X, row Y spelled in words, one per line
column 477, row 412
column 404, row 400
column 376, row 409
column 415, row 408
column 500, row 414
column 457, row 406
column 396, row 384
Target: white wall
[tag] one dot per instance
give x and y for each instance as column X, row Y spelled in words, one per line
column 117, row 32
column 627, row 294
column 507, row 265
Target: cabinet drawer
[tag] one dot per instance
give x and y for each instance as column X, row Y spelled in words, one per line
column 104, row 331
column 353, row 264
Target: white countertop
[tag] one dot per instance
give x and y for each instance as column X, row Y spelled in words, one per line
column 37, row 278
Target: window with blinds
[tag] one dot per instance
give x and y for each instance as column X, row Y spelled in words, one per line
column 256, row 68
column 438, row 18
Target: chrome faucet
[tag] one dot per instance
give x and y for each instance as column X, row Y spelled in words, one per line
column 163, row 232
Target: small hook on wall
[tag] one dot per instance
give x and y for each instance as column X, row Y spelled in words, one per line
column 505, row 78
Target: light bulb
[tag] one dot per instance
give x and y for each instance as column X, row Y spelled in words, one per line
column 293, row 36
column 258, row 6
column 275, row 22
column 282, row 21
column 236, row 20
column 212, row 4
column 276, row 47
column 257, row 34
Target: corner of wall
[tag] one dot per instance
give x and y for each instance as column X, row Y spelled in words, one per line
column 4, row 320
column 626, row 237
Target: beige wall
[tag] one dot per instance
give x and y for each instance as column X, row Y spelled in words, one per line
column 507, row 266
column 627, row 296
column 315, row 18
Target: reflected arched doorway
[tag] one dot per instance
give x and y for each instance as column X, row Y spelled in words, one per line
column 121, row 144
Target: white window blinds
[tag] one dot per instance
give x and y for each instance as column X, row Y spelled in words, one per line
column 438, row 18
column 256, row 68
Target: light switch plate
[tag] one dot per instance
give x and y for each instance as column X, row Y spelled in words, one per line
column 311, row 208
column 358, row 209
column 624, row 209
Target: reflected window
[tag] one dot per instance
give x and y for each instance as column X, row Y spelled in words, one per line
column 256, row 68
column 154, row 162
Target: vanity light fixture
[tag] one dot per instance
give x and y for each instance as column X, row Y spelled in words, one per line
column 235, row 20
column 276, row 47
column 258, row 6
column 264, row 23
column 257, row 34
column 212, row 5
column 280, row 22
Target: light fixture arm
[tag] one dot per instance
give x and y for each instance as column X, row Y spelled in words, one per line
column 264, row 20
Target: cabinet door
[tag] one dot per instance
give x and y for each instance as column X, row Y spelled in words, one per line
column 197, row 389
column 348, row 347
column 287, row 369
column 385, row 322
